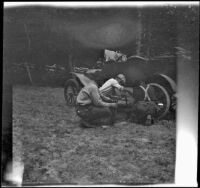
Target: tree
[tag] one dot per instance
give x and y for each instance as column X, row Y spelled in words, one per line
column 29, row 49
column 138, row 50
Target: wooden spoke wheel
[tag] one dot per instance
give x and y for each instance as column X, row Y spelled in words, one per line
column 71, row 90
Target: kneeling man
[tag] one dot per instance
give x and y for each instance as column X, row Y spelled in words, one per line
column 92, row 106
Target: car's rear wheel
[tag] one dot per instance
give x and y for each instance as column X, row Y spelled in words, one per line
column 71, row 90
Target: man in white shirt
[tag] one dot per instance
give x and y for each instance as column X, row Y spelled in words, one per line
column 108, row 88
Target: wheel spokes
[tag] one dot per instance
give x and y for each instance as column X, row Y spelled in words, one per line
column 70, row 94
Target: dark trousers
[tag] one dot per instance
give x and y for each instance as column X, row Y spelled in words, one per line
column 96, row 115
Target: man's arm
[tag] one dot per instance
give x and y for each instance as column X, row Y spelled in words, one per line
column 106, row 99
column 96, row 98
column 117, row 85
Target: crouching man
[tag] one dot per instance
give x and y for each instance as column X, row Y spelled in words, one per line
column 93, row 107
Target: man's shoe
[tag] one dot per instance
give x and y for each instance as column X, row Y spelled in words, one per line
column 148, row 120
column 86, row 124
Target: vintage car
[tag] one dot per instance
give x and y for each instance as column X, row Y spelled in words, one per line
column 158, row 74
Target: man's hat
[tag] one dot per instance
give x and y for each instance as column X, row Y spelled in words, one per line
column 121, row 77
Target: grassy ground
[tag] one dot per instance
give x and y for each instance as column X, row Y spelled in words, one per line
column 55, row 149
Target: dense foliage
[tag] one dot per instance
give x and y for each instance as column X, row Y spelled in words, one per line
column 46, row 36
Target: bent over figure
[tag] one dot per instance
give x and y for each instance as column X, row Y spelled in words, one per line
column 112, row 85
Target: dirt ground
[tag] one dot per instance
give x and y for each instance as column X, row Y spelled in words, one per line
column 55, row 149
